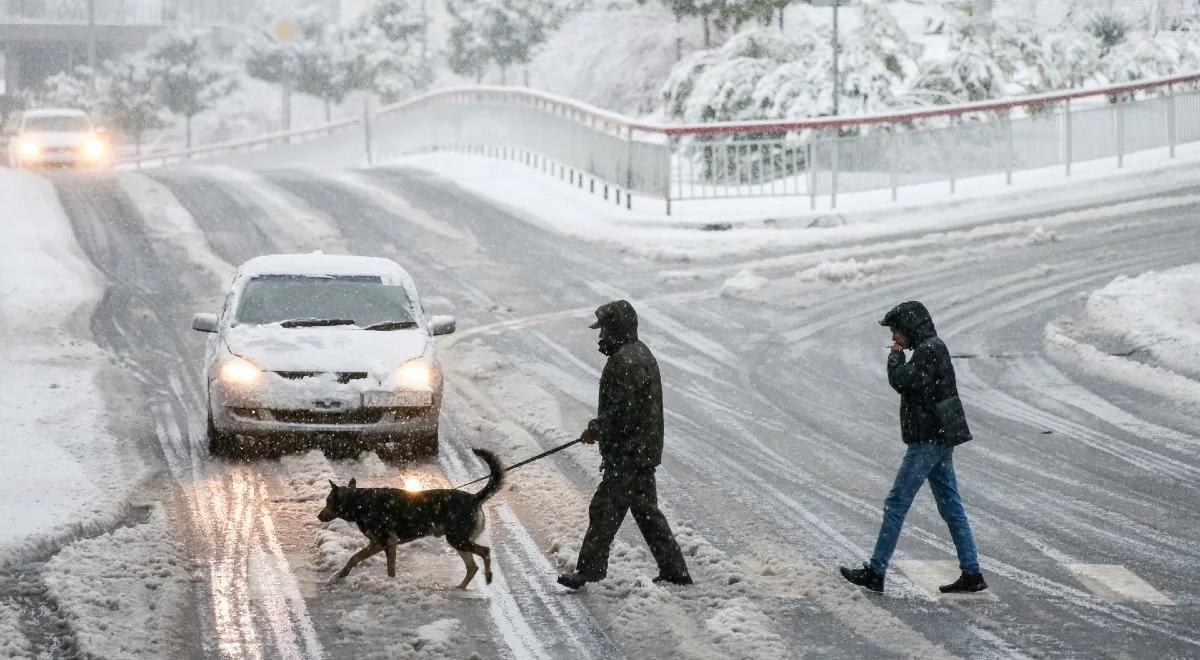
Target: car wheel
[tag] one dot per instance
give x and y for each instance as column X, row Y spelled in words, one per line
column 220, row 443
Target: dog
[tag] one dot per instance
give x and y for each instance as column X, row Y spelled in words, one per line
column 391, row 516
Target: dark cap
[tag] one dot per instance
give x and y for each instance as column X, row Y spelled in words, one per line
column 617, row 312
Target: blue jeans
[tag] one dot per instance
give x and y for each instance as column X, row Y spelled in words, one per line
column 934, row 462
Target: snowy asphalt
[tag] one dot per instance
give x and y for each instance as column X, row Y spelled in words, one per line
column 782, row 432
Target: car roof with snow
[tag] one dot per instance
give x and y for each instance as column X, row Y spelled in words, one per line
column 322, row 264
column 55, row 112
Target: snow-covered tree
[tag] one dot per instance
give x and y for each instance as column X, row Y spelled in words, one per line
column 189, row 77
column 389, row 41
column 131, row 104
column 496, row 32
column 72, row 89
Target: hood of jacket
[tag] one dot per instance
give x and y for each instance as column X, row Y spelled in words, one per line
column 912, row 319
column 619, row 322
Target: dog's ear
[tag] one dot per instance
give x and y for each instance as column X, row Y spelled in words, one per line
column 333, row 485
column 353, row 484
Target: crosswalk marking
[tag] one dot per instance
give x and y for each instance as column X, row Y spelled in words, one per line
column 1117, row 584
column 929, row 575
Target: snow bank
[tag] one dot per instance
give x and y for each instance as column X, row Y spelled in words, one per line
column 62, row 468
column 769, row 225
column 745, row 282
column 13, row 644
column 1142, row 332
column 1155, row 316
column 124, row 593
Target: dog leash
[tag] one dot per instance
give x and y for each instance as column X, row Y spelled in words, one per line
column 525, row 462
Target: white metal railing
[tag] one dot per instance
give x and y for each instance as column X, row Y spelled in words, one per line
column 816, row 157
column 618, row 156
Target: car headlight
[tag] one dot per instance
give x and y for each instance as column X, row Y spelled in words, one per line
column 30, row 149
column 239, row 371
column 94, row 148
column 415, row 375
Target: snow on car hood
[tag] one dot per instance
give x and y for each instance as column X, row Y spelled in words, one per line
column 57, row 138
column 339, row 348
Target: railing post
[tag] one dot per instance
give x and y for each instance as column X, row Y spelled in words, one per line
column 669, row 171
column 893, row 165
column 628, row 167
column 1120, row 135
column 812, row 175
column 1171, row 128
column 1067, row 136
column 833, row 169
column 1010, row 158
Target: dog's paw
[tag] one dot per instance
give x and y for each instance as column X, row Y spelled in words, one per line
column 487, row 578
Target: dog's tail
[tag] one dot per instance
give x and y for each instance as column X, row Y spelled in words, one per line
column 495, row 479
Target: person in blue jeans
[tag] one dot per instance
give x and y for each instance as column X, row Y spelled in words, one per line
column 932, row 424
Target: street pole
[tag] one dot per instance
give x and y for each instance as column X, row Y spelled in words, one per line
column 837, row 83
column 424, row 30
column 91, row 42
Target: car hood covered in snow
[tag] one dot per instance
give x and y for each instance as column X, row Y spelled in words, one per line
column 57, row 138
column 340, row 348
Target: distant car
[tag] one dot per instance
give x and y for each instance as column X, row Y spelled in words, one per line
column 57, row 137
column 321, row 346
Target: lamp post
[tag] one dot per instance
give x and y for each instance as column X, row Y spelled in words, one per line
column 837, row 82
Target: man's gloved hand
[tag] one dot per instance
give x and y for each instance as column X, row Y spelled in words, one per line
column 587, row 438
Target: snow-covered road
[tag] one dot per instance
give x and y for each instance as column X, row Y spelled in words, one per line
column 782, row 432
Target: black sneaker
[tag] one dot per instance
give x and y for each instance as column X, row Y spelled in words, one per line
column 576, row 580
column 864, row 577
column 967, row 583
column 684, row 580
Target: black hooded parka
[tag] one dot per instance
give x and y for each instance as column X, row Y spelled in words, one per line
column 930, row 410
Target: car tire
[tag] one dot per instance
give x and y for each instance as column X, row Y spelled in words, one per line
column 220, row 443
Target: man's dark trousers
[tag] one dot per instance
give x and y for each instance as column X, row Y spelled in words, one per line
column 619, row 492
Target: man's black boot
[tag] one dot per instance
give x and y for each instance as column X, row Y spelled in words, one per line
column 684, row 580
column 576, row 580
column 864, row 577
column 967, row 583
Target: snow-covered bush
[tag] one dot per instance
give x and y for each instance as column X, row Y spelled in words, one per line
column 613, row 57
column 765, row 74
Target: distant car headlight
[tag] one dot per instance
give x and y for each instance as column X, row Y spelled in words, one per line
column 94, row 148
column 239, row 371
column 415, row 375
column 29, row 149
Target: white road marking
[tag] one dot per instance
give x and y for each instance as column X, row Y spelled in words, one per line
column 1117, row 584
column 929, row 575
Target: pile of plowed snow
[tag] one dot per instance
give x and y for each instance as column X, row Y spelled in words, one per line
column 1142, row 331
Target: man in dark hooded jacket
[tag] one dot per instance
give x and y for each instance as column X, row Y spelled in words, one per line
column 629, row 430
column 932, row 424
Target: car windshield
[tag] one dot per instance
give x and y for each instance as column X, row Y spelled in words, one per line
column 65, row 123
column 309, row 301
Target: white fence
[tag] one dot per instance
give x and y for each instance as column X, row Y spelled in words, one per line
column 619, row 157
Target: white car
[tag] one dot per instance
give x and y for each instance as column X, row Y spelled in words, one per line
column 336, row 347
column 57, row 137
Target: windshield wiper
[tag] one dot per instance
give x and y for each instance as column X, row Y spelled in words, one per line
column 314, row 323
column 392, row 325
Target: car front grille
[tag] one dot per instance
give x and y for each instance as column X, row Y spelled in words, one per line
column 359, row 416
column 343, row 377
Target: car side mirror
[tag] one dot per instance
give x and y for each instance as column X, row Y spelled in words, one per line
column 204, row 322
column 442, row 325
